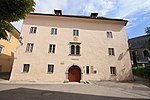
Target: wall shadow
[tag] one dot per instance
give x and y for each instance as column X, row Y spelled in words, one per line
column 33, row 94
column 6, row 61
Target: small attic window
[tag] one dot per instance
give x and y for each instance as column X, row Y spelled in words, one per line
column 94, row 15
column 58, row 12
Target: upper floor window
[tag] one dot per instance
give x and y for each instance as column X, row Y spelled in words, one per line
column 50, row 68
column 26, row 67
column 109, row 35
column 75, row 32
column 53, row 31
column 1, row 48
column 29, row 47
column 75, row 49
column 145, row 53
column 113, row 70
column 33, row 29
column 111, row 51
column 9, row 37
column 52, row 48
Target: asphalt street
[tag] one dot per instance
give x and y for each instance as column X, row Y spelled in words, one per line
column 67, row 92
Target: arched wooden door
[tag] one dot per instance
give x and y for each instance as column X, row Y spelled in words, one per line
column 74, row 74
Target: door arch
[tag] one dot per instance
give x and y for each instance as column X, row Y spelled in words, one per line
column 74, row 74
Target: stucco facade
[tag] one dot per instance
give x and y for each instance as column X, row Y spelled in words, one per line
column 8, row 50
column 93, row 43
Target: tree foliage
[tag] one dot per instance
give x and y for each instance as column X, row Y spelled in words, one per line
column 13, row 10
column 147, row 30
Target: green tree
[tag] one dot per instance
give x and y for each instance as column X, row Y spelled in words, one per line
column 147, row 30
column 11, row 11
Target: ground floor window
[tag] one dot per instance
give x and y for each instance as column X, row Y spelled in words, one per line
column 87, row 70
column 113, row 70
column 26, row 68
column 50, row 68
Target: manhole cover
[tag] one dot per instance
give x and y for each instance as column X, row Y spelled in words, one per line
column 47, row 93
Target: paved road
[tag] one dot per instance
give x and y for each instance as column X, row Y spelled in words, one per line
column 66, row 92
column 105, row 90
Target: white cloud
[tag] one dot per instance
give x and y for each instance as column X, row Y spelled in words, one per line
column 47, row 6
column 130, row 7
column 101, row 6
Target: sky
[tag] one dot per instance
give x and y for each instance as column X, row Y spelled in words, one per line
column 137, row 12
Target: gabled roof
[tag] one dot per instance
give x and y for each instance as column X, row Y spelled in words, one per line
column 138, row 42
column 77, row 16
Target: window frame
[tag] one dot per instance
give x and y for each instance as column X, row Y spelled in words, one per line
column 113, row 70
column 52, row 48
column 111, row 51
column 33, row 30
column 26, row 70
column 87, row 70
column 54, row 31
column 75, row 50
column 75, row 32
column 144, row 53
column 109, row 34
column 29, row 47
column 52, row 68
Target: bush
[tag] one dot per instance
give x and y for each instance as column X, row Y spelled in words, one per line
column 141, row 71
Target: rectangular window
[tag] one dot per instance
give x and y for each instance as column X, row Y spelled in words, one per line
column 53, row 31
column 1, row 48
column 50, row 68
column 111, row 51
column 26, row 68
column 29, row 47
column 52, row 48
column 87, row 70
column 0, row 68
column 33, row 29
column 75, row 32
column 113, row 70
column 109, row 35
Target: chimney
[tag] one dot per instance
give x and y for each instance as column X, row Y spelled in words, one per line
column 94, row 15
column 58, row 12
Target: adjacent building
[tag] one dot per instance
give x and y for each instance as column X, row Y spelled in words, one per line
column 8, row 49
column 61, row 48
column 139, row 52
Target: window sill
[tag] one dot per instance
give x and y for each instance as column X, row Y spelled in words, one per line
column 29, row 52
column 24, row 72
column 74, row 55
column 111, row 55
column 51, row 53
column 113, row 75
column 49, row 72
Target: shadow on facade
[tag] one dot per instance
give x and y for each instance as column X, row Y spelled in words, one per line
column 33, row 94
column 6, row 62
